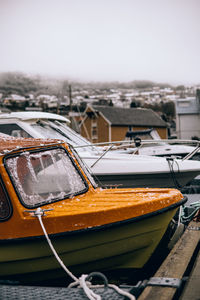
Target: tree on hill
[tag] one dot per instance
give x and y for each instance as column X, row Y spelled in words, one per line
column 17, row 83
column 169, row 109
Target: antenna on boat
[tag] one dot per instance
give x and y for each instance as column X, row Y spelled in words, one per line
column 70, row 104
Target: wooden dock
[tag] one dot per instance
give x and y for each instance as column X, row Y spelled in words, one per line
column 183, row 262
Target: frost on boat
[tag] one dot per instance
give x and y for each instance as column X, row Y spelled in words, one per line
column 41, row 177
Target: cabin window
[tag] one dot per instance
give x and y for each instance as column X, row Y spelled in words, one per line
column 94, row 129
column 13, row 130
column 45, row 176
column 5, row 209
column 184, row 103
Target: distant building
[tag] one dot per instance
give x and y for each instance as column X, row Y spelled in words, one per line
column 106, row 123
column 15, row 101
column 188, row 117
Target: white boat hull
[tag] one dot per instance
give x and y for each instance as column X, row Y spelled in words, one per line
column 142, row 171
column 164, row 180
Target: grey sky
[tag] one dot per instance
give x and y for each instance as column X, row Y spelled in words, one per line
column 120, row 40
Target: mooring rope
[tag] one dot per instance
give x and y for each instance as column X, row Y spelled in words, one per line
column 171, row 162
column 39, row 213
column 82, row 281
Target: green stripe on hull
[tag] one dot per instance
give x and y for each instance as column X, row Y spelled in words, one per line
column 129, row 245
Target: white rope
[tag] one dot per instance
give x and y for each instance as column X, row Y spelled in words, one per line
column 89, row 293
column 121, row 291
column 81, row 281
column 84, row 284
column 39, row 213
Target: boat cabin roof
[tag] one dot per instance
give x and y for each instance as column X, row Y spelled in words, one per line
column 34, row 115
column 9, row 143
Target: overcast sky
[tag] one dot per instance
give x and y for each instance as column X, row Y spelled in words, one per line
column 105, row 40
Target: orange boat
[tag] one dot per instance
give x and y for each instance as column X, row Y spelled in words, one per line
column 91, row 228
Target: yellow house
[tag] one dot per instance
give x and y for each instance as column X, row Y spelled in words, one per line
column 108, row 123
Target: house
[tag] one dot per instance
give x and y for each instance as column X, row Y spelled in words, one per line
column 107, row 123
column 15, row 102
column 188, row 117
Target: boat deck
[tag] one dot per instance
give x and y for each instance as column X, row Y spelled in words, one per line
column 183, row 265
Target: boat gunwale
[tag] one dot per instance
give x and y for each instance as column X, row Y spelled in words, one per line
column 42, row 149
column 99, row 227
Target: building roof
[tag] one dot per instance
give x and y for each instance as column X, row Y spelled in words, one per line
column 130, row 116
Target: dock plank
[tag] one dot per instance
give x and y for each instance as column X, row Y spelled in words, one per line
column 192, row 288
column 175, row 264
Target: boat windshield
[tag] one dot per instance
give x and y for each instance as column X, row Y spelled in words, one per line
column 47, row 131
column 45, row 176
column 72, row 135
column 58, row 130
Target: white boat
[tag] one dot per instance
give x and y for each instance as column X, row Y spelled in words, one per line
column 148, row 142
column 109, row 168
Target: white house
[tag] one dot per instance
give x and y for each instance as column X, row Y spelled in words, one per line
column 188, row 117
